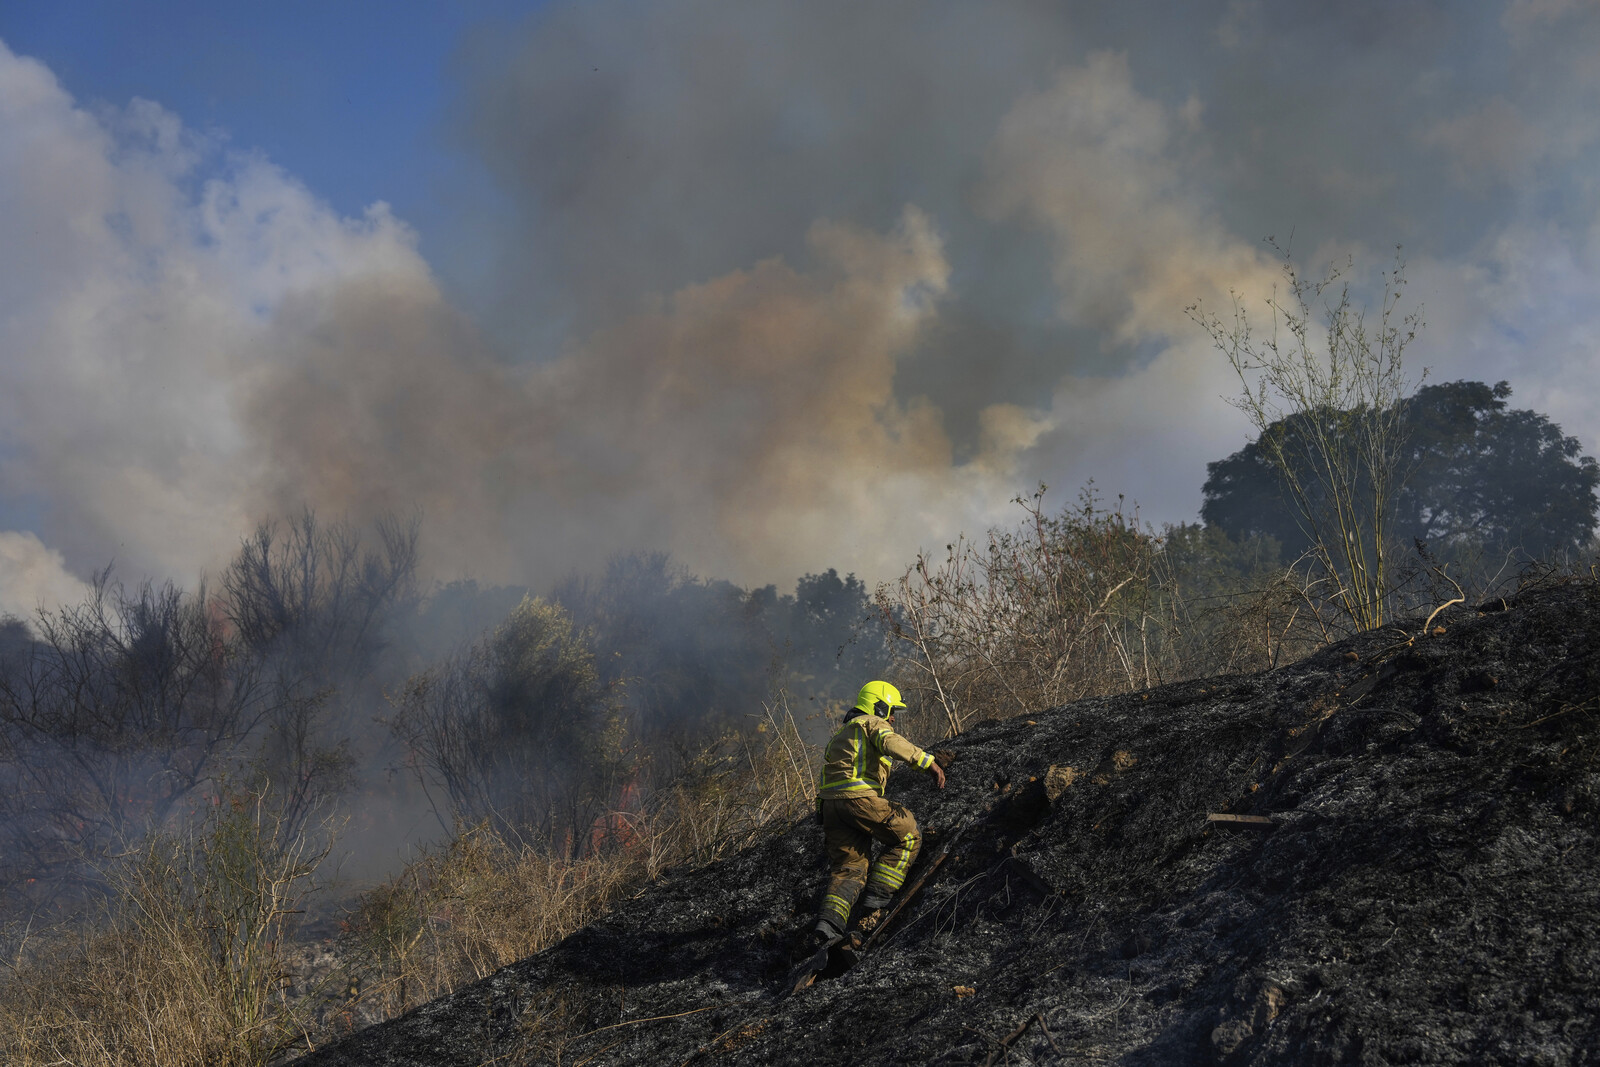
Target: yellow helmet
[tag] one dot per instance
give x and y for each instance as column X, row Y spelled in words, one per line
column 878, row 698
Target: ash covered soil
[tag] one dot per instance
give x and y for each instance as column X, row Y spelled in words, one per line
column 1427, row 893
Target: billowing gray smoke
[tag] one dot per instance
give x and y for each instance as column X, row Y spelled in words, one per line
column 773, row 287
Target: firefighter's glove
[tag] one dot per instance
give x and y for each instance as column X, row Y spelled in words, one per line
column 938, row 775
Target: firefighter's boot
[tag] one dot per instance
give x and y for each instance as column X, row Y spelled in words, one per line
column 833, row 916
column 874, row 908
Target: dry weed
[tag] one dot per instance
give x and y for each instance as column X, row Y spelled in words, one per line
column 483, row 901
column 1084, row 603
column 186, row 966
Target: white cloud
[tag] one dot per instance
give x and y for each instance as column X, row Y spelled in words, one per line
column 142, row 266
column 33, row 577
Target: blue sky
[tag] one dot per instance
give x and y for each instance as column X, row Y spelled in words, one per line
column 348, row 95
column 775, row 286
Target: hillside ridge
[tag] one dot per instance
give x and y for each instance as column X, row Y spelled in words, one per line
column 1427, row 891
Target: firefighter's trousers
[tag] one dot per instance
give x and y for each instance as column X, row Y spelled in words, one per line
column 849, row 826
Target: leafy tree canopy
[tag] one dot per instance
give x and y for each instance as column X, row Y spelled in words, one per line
column 1479, row 477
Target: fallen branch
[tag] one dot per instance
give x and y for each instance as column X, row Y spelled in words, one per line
column 911, row 891
column 1005, row 1042
column 1046, row 1030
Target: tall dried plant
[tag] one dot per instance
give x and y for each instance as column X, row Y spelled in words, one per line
column 189, row 964
column 487, row 899
column 1326, row 389
column 1084, row 602
column 1033, row 617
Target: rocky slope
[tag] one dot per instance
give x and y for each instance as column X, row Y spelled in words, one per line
column 1427, row 892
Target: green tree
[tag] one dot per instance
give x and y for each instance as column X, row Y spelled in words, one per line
column 520, row 730
column 1483, row 480
column 1492, row 479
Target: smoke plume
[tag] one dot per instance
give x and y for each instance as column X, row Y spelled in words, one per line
column 772, row 287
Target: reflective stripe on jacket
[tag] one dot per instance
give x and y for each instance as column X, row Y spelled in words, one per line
column 858, row 757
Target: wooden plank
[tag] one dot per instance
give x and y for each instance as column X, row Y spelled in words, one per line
column 1258, row 822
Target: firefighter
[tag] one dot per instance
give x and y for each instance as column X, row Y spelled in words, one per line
column 854, row 813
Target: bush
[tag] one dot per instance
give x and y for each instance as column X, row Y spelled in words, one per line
column 487, row 899
column 188, row 965
column 519, row 731
column 1084, row 603
column 1330, row 408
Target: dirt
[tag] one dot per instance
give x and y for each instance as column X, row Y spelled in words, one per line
column 1425, row 893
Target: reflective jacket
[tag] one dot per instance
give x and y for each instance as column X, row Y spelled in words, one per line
column 858, row 757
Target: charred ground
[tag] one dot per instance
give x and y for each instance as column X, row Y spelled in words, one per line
column 1427, row 893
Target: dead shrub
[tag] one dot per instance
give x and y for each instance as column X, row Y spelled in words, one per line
column 485, row 900
column 730, row 794
column 187, row 964
column 1083, row 603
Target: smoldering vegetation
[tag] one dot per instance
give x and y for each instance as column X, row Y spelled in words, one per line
column 309, row 795
column 194, row 778
column 1422, row 890
column 313, row 668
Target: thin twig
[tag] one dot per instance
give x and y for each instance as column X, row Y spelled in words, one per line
column 652, row 1019
column 1556, row 714
column 595, row 1055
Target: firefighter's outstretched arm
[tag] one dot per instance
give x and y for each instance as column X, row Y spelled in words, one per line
column 894, row 746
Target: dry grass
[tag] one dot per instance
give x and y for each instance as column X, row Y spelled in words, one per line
column 483, row 901
column 466, row 910
column 1084, row 603
column 187, row 963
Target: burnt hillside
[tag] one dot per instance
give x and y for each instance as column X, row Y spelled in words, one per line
column 1427, row 892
